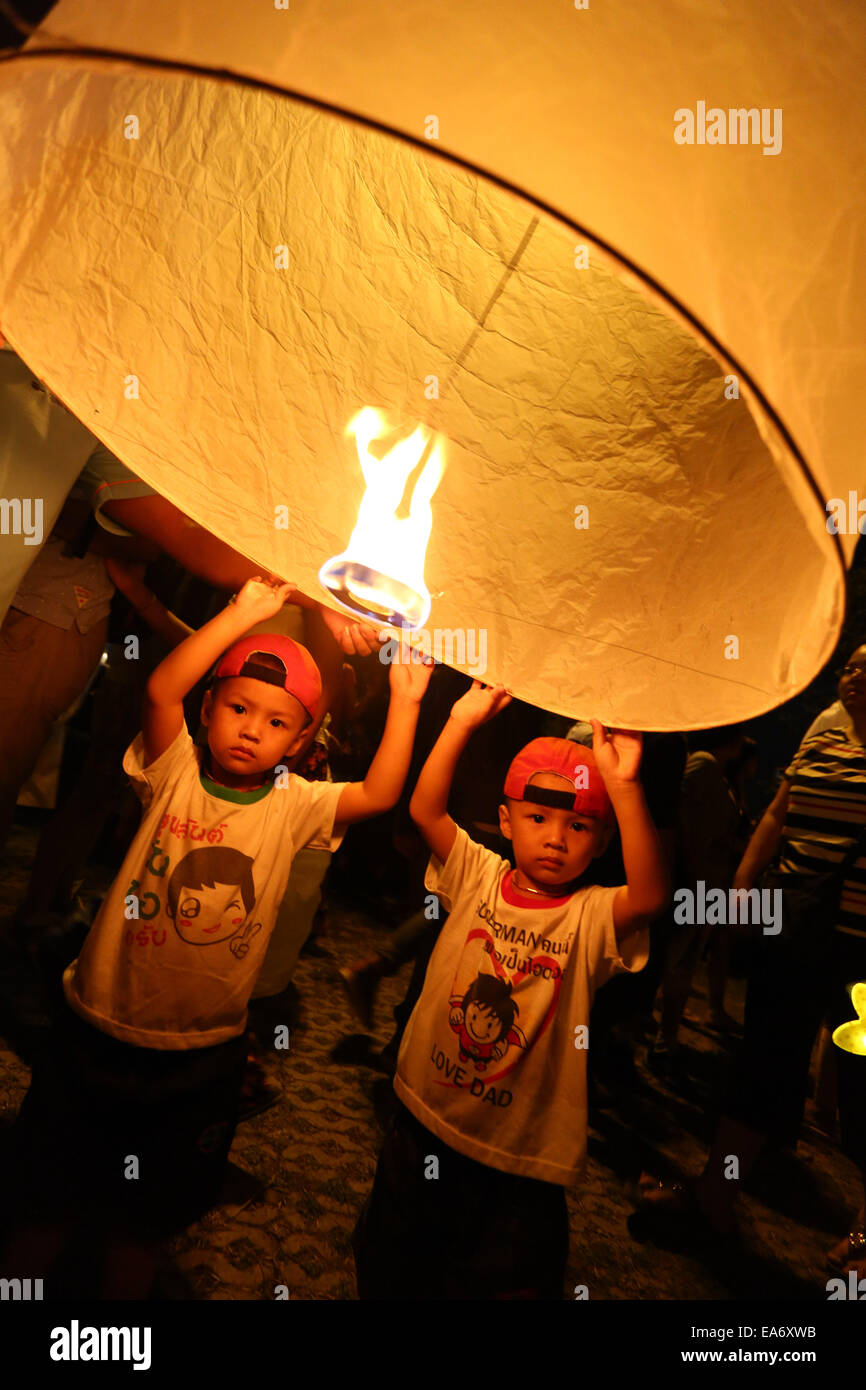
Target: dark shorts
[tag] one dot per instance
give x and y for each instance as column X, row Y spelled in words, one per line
column 135, row 1137
column 471, row 1233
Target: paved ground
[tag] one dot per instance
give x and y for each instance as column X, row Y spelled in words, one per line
column 315, row 1153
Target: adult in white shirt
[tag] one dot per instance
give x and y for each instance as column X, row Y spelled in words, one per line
column 835, row 716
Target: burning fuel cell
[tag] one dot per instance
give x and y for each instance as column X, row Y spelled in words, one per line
column 379, row 577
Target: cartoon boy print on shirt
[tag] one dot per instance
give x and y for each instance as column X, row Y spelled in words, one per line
column 209, row 896
column 502, row 963
column 484, row 1021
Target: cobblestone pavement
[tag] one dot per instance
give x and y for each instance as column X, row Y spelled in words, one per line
column 315, row 1153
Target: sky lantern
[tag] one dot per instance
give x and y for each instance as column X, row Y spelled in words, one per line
column 602, row 264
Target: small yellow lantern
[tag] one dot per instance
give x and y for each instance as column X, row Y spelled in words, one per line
column 852, row 1036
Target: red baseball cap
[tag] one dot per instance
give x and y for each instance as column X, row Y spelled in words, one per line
column 299, row 677
column 566, row 759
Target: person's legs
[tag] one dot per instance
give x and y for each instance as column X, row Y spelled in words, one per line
column 416, row 938
column 175, row 1114
column 821, row 1110
column 402, row 945
column 43, row 670
column 506, row 1236
column 683, row 953
column 718, row 964
column 397, row 1240
column 785, row 1001
column 438, row 1225
column 648, row 981
column 294, row 921
column 733, row 1153
column 42, row 1167
column 70, row 836
column 178, row 1112
column 403, row 1010
column 94, row 1106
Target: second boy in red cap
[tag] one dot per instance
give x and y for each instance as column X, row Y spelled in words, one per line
column 469, row 1196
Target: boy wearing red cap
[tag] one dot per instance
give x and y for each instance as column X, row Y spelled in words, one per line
column 469, row 1196
column 151, row 1052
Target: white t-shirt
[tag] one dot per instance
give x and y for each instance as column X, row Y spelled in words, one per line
column 835, row 716
column 43, row 450
column 206, row 873
column 491, row 1061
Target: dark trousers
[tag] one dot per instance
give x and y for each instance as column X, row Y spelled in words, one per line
column 136, row 1138
column 472, row 1232
column 403, row 1010
column 792, row 986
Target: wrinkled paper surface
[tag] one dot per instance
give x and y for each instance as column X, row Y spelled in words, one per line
column 561, row 385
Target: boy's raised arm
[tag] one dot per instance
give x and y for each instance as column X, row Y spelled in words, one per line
column 429, row 805
column 380, row 790
column 162, row 712
column 645, row 892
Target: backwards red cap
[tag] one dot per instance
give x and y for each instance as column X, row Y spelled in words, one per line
column 300, row 674
column 566, row 759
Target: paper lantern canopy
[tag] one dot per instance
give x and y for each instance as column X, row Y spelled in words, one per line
column 230, row 232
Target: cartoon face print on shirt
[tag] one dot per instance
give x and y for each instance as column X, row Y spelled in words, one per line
column 209, row 913
column 210, row 894
column 484, row 1021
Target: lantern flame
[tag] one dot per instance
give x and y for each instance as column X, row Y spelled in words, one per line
column 380, row 574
